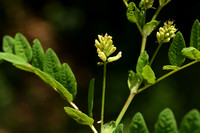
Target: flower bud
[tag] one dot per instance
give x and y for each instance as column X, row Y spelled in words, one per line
column 114, row 58
column 102, row 56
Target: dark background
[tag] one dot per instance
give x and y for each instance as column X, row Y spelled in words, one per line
column 27, row 105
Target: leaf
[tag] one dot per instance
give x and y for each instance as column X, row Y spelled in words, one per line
column 134, row 15
column 27, row 67
column 191, row 122
column 149, row 27
column 169, row 67
column 51, row 63
column 130, row 13
column 148, row 74
column 65, row 94
column 119, row 128
column 195, row 35
column 12, row 58
column 8, row 44
column 132, row 81
column 175, row 56
column 91, row 97
column 108, row 127
column 78, row 116
column 22, row 47
column 191, row 53
column 67, row 79
column 38, row 54
column 166, row 122
column 138, row 124
column 143, row 60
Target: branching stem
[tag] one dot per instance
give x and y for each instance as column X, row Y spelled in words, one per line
column 131, row 96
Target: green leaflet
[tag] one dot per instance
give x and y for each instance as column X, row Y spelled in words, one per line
column 65, row 94
column 138, row 124
column 191, row 122
column 195, row 35
column 134, row 15
column 191, row 53
column 143, row 60
column 22, row 47
column 175, row 56
column 38, row 55
column 91, row 97
column 67, row 78
column 132, row 81
column 166, row 122
column 169, row 67
column 148, row 74
column 8, row 44
column 130, row 13
column 78, row 116
column 51, row 64
column 149, row 27
column 12, row 58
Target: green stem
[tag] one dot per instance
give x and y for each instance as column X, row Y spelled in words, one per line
column 126, row 105
column 168, row 74
column 143, row 45
column 155, row 53
column 93, row 129
column 157, row 12
column 103, row 94
column 125, row 2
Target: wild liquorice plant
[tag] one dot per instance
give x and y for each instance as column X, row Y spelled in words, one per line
column 60, row 77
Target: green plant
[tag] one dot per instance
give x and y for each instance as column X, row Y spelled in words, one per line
column 60, row 77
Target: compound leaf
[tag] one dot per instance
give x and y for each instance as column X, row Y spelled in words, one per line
column 191, row 53
column 195, row 35
column 67, row 79
column 148, row 74
column 91, row 97
column 51, row 63
column 22, row 47
column 138, row 124
column 38, row 54
column 8, row 44
column 191, row 122
column 143, row 60
column 166, row 122
column 175, row 56
column 78, row 116
column 12, row 58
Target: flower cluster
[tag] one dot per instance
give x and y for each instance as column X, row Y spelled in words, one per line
column 166, row 32
column 105, row 48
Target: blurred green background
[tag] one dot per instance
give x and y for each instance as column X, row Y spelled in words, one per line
column 27, row 105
